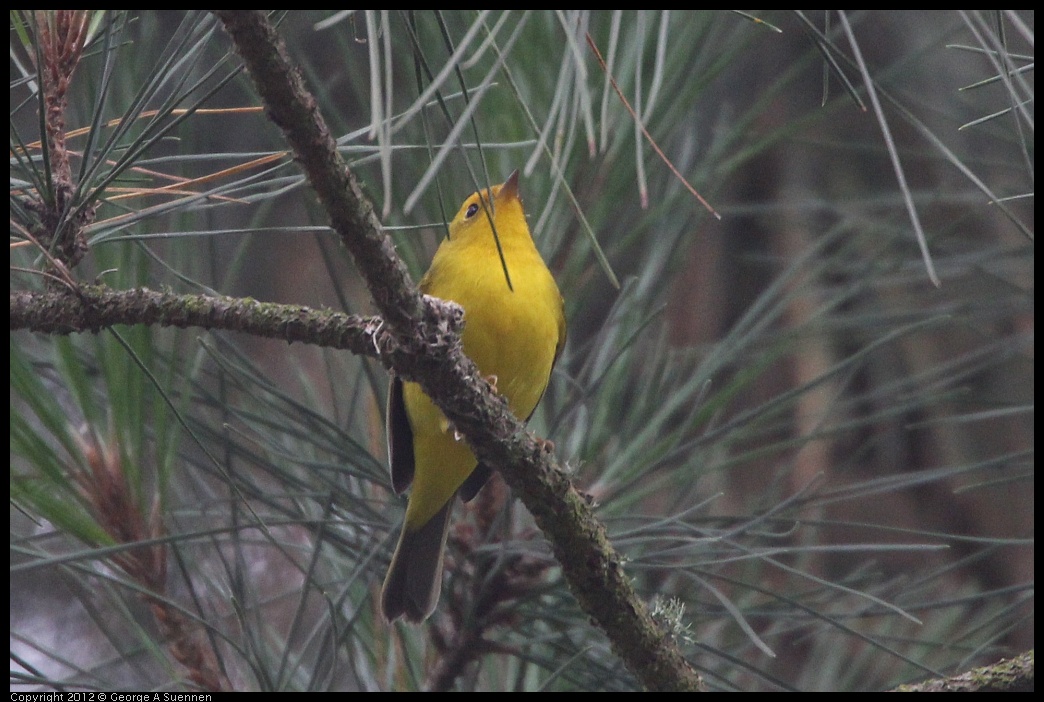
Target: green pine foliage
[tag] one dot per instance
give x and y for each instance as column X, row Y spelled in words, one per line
column 815, row 462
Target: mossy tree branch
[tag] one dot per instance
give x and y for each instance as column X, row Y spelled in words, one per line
column 418, row 338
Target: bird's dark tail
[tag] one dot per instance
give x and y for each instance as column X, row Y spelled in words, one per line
column 414, row 579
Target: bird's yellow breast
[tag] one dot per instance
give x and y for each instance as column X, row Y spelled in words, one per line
column 511, row 333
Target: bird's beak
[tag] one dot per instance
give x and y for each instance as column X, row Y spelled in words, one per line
column 510, row 187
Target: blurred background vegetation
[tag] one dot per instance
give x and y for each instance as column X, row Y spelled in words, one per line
column 817, row 463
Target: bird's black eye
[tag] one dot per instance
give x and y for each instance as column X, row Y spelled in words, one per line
column 472, row 209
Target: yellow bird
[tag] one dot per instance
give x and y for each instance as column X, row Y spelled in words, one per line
column 514, row 333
